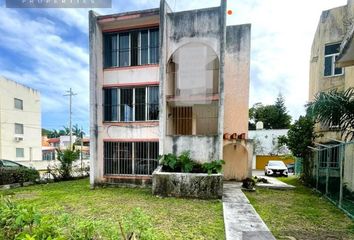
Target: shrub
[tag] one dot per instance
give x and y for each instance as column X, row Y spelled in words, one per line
column 184, row 163
column 214, row 166
column 65, row 169
column 18, row 175
column 248, row 183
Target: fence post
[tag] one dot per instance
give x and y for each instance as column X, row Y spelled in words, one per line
column 341, row 173
column 317, row 168
column 327, row 170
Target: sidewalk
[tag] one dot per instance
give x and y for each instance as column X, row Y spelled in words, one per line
column 242, row 222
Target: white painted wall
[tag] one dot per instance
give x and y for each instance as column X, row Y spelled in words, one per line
column 266, row 141
column 30, row 117
column 131, row 75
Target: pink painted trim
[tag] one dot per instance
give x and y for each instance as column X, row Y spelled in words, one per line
column 130, row 67
column 142, row 26
column 131, row 140
column 130, row 84
column 124, row 124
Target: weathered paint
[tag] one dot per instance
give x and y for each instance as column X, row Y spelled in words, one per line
column 206, row 26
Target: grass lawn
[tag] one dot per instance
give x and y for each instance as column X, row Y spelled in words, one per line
column 300, row 213
column 171, row 218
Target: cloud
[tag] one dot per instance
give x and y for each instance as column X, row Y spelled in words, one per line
column 47, row 49
column 53, row 64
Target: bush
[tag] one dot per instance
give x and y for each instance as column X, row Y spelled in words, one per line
column 214, row 166
column 65, row 169
column 18, row 175
column 184, row 163
column 248, row 183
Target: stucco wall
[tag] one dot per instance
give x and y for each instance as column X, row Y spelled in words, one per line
column 331, row 29
column 30, row 117
column 266, row 141
column 131, row 75
column 204, row 26
column 202, row 148
column 237, row 78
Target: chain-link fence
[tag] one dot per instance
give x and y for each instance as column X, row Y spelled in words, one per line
column 333, row 173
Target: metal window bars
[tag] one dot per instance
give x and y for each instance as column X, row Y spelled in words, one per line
column 130, row 158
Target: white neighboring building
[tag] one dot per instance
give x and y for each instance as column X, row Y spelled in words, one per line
column 20, row 122
column 266, row 141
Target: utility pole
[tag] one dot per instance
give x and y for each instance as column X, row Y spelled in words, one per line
column 82, row 146
column 70, row 94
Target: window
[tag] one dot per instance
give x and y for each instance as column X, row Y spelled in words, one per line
column 20, row 152
column 132, row 158
column 131, row 104
column 330, row 69
column 18, row 128
column 132, row 48
column 10, row 164
column 18, row 103
column 48, row 155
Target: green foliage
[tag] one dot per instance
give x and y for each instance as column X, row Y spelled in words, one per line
column 273, row 116
column 64, row 170
column 182, row 163
column 300, row 137
column 18, row 175
column 185, row 162
column 65, row 131
column 21, row 222
column 335, row 108
column 214, row 166
column 169, row 160
column 139, row 224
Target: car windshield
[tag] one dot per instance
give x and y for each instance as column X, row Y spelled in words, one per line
column 276, row 164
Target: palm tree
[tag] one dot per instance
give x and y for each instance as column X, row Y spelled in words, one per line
column 335, row 108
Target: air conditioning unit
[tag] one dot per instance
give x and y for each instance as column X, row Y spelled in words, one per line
column 18, row 139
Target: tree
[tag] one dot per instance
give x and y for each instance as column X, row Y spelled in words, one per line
column 335, row 108
column 300, row 136
column 273, row 116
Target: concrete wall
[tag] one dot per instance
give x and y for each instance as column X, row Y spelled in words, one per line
column 237, row 78
column 202, row 148
column 333, row 26
column 30, row 117
column 205, row 26
column 331, row 29
column 266, row 141
column 115, row 77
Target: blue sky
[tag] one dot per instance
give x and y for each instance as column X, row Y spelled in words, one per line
column 47, row 49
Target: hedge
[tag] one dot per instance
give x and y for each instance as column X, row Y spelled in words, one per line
column 18, row 175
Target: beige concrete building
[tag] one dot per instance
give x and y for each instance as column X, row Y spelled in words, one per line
column 166, row 82
column 332, row 67
column 334, row 27
column 20, row 122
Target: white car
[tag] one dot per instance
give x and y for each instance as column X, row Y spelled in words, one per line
column 276, row 168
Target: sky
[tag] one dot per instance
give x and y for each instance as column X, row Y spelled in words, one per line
column 47, row 49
